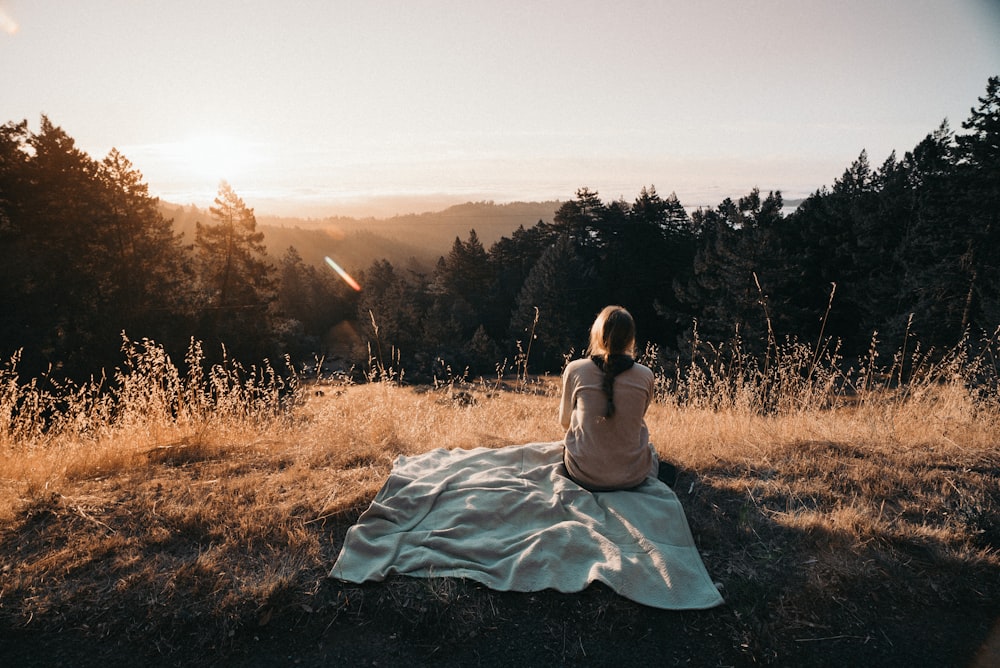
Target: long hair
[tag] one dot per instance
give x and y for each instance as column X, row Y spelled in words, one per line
column 612, row 344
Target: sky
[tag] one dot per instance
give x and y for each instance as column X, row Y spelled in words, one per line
column 353, row 107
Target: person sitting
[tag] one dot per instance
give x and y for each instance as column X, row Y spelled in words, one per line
column 604, row 400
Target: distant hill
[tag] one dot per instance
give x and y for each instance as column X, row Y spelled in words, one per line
column 435, row 231
column 416, row 240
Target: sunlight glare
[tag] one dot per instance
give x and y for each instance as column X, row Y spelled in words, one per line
column 7, row 23
column 214, row 156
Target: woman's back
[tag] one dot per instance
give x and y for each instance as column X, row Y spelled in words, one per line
column 605, row 452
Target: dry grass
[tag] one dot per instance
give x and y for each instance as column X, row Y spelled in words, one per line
column 181, row 511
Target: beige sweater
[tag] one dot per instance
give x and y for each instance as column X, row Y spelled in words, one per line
column 606, row 453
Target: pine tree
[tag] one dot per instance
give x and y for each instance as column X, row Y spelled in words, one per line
column 582, row 221
column 235, row 276
column 397, row 305
column 650, row 249
column 85, row 254
column 16, row 256
column 145, row 264
column 736, row 268
column 823, row 249
column 511, row 260
column 978, row 171
column 558, row 289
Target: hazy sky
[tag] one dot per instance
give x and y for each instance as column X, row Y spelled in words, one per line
column 313, row 106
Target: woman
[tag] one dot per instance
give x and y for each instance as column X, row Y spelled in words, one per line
column 604, row 401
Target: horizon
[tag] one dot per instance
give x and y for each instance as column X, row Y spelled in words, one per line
column 379, row 109
column 370, row 209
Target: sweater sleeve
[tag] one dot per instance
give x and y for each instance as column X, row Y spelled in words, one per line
column 566, row 403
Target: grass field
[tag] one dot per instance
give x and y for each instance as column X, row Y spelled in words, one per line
column 849, row 517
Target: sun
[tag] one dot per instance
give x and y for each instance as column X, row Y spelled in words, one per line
column 214, row 157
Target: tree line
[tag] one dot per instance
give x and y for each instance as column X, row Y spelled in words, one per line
column 908, row 248
column 87, row 255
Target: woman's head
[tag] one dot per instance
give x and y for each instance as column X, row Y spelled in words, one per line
column 613, row 332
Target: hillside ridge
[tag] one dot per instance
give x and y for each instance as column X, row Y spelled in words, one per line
column 413, row 238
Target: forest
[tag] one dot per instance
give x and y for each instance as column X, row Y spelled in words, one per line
column 900, row 254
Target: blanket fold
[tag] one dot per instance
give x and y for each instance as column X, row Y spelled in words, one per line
column 510, row 519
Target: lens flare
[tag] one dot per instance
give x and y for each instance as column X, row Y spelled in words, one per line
column 343, row 274
column 7, row 23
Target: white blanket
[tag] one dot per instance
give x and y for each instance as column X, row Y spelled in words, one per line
column 510, row 519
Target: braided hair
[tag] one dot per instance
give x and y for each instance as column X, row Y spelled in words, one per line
column 612, row 342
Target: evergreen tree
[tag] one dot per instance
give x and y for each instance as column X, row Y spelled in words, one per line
column 978, row 170
column 582, row 221
column 60, row 287
column 511, row 260
column 309, row 303
column 392, row 315
column 482, row 353
column 652, row 247
column 459, row 296
column 823, row 235
column 147, row 272
column 84, row 255
column 558, row 289
column 465, row 271
column 465, row 275
column 882, row 228
column 293, row 298
column 235, row 276
column 16, row 327
column 931, row 282
column 735, row 268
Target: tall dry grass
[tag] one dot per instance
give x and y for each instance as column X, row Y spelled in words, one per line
column 221, row 492
column 725, row 405
column 59, row 431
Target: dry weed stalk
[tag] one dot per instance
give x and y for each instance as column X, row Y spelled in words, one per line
column 220, row 495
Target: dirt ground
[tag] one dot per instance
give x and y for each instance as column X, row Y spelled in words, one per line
column 794, row 597
column 593, row 628
column 414, row 622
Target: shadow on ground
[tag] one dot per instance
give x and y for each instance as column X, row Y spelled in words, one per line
column 794, row 596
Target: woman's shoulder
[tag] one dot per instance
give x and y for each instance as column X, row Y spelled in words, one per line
column 642, row 370
column 578, row 364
